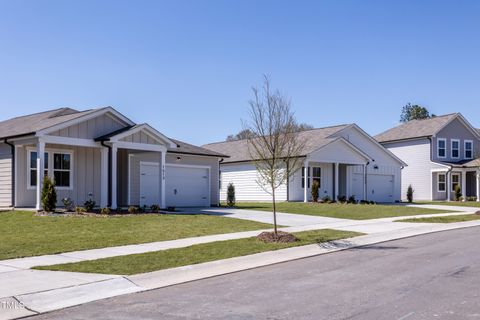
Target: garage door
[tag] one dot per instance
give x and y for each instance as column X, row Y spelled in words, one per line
column 187, row 186
column 380, row 188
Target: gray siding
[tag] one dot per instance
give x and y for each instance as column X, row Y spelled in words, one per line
column 5, row 176
column 455, row 130
column 92, row 128
column 86, row 176
column 140, row 137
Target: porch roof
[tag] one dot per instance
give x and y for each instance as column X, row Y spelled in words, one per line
column 471, row 163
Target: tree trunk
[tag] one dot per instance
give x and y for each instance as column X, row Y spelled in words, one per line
column 274, row 213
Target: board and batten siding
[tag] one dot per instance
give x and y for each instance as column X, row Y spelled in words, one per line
column 244, row 177
column 140, row 137
column 179, row 159
column 5, row 175
column 86, row 176
column 418, row 173
column 92, row 128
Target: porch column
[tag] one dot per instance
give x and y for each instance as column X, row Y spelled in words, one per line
column 114, row 176
column 449, row 185
column 104, row 177
column 478, row 185
column 163, row 203
column 40, row 172
column 336, row 181
column 305, row 181
column 365, row 182
column 464, row 185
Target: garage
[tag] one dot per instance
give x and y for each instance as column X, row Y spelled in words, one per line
column 187, row 186
column 380, row 188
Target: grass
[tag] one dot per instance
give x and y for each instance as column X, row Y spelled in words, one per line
column 444, row 219
column 23, row 234
column 159, row 260
column 472, row 204
column 343, row 211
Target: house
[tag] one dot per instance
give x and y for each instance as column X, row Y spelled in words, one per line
column 441, row 153
column 102, row 155
column 344, row 159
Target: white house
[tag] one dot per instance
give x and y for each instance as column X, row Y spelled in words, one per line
column 344, row 159
column 102, row 155
column 441, row 153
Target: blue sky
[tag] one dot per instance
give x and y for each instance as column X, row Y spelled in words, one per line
column 187, row 67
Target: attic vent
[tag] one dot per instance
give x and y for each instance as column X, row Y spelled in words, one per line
column 63, row 112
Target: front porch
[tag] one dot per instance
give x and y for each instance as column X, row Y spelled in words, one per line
column 445, row 181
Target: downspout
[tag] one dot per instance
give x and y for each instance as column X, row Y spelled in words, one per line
column 109, row 172
column 12, row 148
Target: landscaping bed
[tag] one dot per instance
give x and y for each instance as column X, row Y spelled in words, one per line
column 159, row 260
column 24, row 234
column 340, row 210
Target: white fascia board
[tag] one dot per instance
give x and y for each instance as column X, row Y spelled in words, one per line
column 148, row 130
column 138, row 146
column 70, row 141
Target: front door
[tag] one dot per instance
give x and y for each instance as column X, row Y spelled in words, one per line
column 149, row 184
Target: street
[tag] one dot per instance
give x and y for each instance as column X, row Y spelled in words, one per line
column 436, row 276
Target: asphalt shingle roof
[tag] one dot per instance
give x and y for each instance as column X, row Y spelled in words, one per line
column 314, row 139
column 415, row 129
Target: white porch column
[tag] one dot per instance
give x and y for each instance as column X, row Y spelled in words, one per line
column 305, row 183
column 449, row 185
column 104, row 177
column 114, row 176
column 40, row 172
column 163, row 203
column 336, row 181
column 478, row 185
column 365, row 182
column 464, row 185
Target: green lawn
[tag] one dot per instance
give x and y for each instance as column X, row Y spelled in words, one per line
column 444, row 219
column 158, row 260
column 344, row 211
column 23, row 234
column 472, row 204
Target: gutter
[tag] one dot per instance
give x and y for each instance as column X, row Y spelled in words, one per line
column 12, row 148
column 109, row 172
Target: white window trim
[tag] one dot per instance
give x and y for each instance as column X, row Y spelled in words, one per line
column 438, row 183
column 320, row 177
column 465, row 148
column 50, row 169
column 438, row 148
column 459, row 181
column 451, row 148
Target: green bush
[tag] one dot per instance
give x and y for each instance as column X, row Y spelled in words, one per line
column 315, row 189
column 230, row 195
column 49, row 195
column 410, row 194
column 155, row 208
column 352, row 199
column 89, row 205
column 458, row 193
column 132, row 210
column 342, row 199
column 80, row 210
column 105, row 211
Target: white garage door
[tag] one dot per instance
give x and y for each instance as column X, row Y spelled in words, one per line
column 187, row 186
column 380, row 188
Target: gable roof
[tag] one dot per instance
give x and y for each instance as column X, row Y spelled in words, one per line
column 421, row 128
column 314, row 140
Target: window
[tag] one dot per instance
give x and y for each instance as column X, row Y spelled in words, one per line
column 455, row 181
column 468, row 149
column 33, row 167
column 61, row 169
column 455, row 148
column 58, row 166
column 442, row 148
column 303, row 177
column 442, row 182
column 317, row 175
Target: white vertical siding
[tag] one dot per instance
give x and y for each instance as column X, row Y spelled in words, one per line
column 5, row 176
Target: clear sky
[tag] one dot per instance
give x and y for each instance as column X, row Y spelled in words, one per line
column 187, row 67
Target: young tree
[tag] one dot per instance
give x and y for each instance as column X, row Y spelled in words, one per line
column 414, row 112
column 275, row 146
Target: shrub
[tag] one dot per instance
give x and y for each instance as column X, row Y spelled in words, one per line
column 105, row 211
column 49, row 195
column 80, row 210
column 230, row 195
column 326, row 199
column 342, row 199
column 89, row 205
column 352, row 199
column 410, row 194
column 155, row 208
column 132, row 210
column 68, row 204
column 315, row 187
column 458, row 193
column 472, row 199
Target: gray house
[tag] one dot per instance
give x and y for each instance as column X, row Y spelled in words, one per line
column 102, row 155
column 441, row 153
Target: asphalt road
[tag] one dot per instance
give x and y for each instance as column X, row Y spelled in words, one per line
column 435, row 276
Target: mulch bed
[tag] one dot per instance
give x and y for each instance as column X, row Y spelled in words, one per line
column 281, row 237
